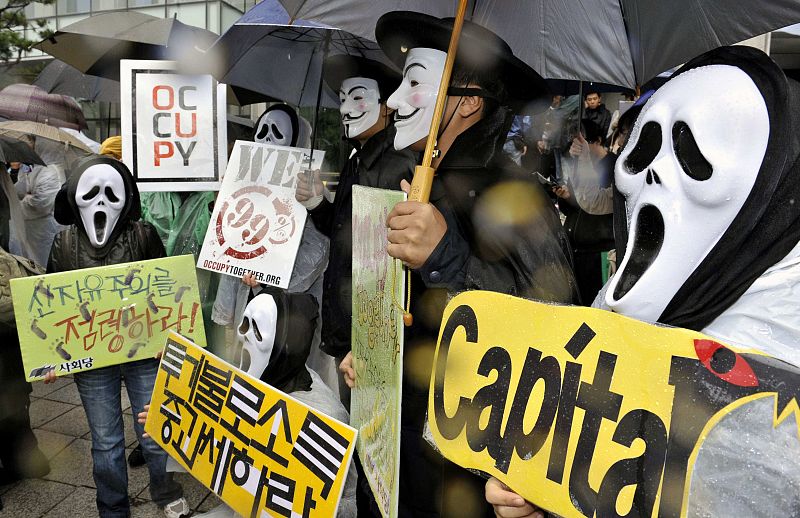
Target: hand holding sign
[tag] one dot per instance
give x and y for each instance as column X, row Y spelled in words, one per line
column 508, row 504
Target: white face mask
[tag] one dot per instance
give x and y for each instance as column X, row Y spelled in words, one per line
column 275, row 128
column 360, row 108
column 100, row 196
column 689, row 166
column 257, row 333
column 415, row 98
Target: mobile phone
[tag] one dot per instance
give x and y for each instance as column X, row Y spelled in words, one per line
column 546, row 181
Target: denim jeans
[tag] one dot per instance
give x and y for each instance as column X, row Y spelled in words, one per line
column 100, row 391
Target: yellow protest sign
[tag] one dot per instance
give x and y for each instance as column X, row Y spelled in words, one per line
column 261, row 451
column 585, row 412
column 90, row 318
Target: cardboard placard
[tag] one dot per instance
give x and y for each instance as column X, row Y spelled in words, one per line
column 588, row 413
column 261, row 451
column 85, row 319
column 174, row 129
column 377, row 344
column 257, row 223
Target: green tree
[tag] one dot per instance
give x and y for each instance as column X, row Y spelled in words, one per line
column 13, row 23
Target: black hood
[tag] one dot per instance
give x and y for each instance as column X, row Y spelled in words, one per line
column 768, row 226
column 66, row 210
column 294, row 332
column 292, row 116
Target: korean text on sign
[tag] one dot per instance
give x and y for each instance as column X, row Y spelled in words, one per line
column 91, row 318
column 264, row 453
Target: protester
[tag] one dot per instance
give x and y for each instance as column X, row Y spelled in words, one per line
column 281, row 125
column 590, row 234
column 276, row 332
column 597, row 112
column 36, row 188
column 363, row 86
column 100, row 203
column 457, row 241
column 710, row 177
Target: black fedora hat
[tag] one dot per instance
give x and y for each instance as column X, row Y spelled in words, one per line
column 479, row 50
column 342, row 66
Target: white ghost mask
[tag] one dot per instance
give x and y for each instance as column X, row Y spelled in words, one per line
column 360, row 108
column 687, row 170
column 100, row 196
column 257, row 333
column 415, row 98
column 275, row 127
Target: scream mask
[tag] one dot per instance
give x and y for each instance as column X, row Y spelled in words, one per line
column 100, row 197
column 278, row 125
column 360, row 108
column 414, row 100
column 686, row 172
column 257, row 334
column 276, row 331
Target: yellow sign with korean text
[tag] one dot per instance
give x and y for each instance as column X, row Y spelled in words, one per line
column 261, row 451
column 588, row 413
column 85, row 319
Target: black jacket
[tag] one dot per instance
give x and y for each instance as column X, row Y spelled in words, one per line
column 72, row 250
column 379, row 165
column 600, row 116
column 503, row 235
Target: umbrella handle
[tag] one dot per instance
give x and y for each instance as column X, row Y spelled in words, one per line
column 421, row 184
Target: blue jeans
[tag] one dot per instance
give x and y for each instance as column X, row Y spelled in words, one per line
column 100, row 391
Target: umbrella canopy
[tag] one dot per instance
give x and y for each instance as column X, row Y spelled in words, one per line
column 60, row 78
column 620, row 42
column 13, row 150
column 262, row 53
column 16, row 129
column 30, row 103
column 95, row 45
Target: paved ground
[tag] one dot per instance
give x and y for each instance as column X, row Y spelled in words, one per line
column 59, row 423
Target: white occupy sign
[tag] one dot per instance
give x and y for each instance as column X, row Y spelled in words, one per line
column 257, row 223
column 174, row 133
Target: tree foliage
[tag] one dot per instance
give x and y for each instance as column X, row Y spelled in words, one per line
column 13, row 23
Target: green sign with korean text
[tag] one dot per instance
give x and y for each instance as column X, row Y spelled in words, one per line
column 96, row 317
column 377, row 345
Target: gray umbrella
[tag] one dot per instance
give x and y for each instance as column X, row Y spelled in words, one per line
column 95, row 45
column 265, row 51
column 60, row 78
column 14, row 150
column 620, row 42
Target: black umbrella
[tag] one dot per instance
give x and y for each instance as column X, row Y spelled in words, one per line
column 95, row 45
column 61, row 78
column 13, row 150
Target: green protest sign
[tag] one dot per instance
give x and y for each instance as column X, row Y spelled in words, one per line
column 377, row 344
column 85, row 319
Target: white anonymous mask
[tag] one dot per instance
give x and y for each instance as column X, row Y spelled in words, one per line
column 100, row 196
column 415, row 98
column 257, row 333
column 275, row 127
column 691, row 162
column 360, row 108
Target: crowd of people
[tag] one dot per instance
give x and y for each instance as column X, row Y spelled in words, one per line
column 490, row 153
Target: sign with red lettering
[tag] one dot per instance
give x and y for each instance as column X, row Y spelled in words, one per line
column 257, row 223
column 174, row 134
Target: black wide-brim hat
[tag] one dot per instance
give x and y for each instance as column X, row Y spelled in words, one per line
column 479, row 50
column 342, row 66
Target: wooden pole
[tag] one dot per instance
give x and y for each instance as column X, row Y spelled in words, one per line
column 423, row 173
